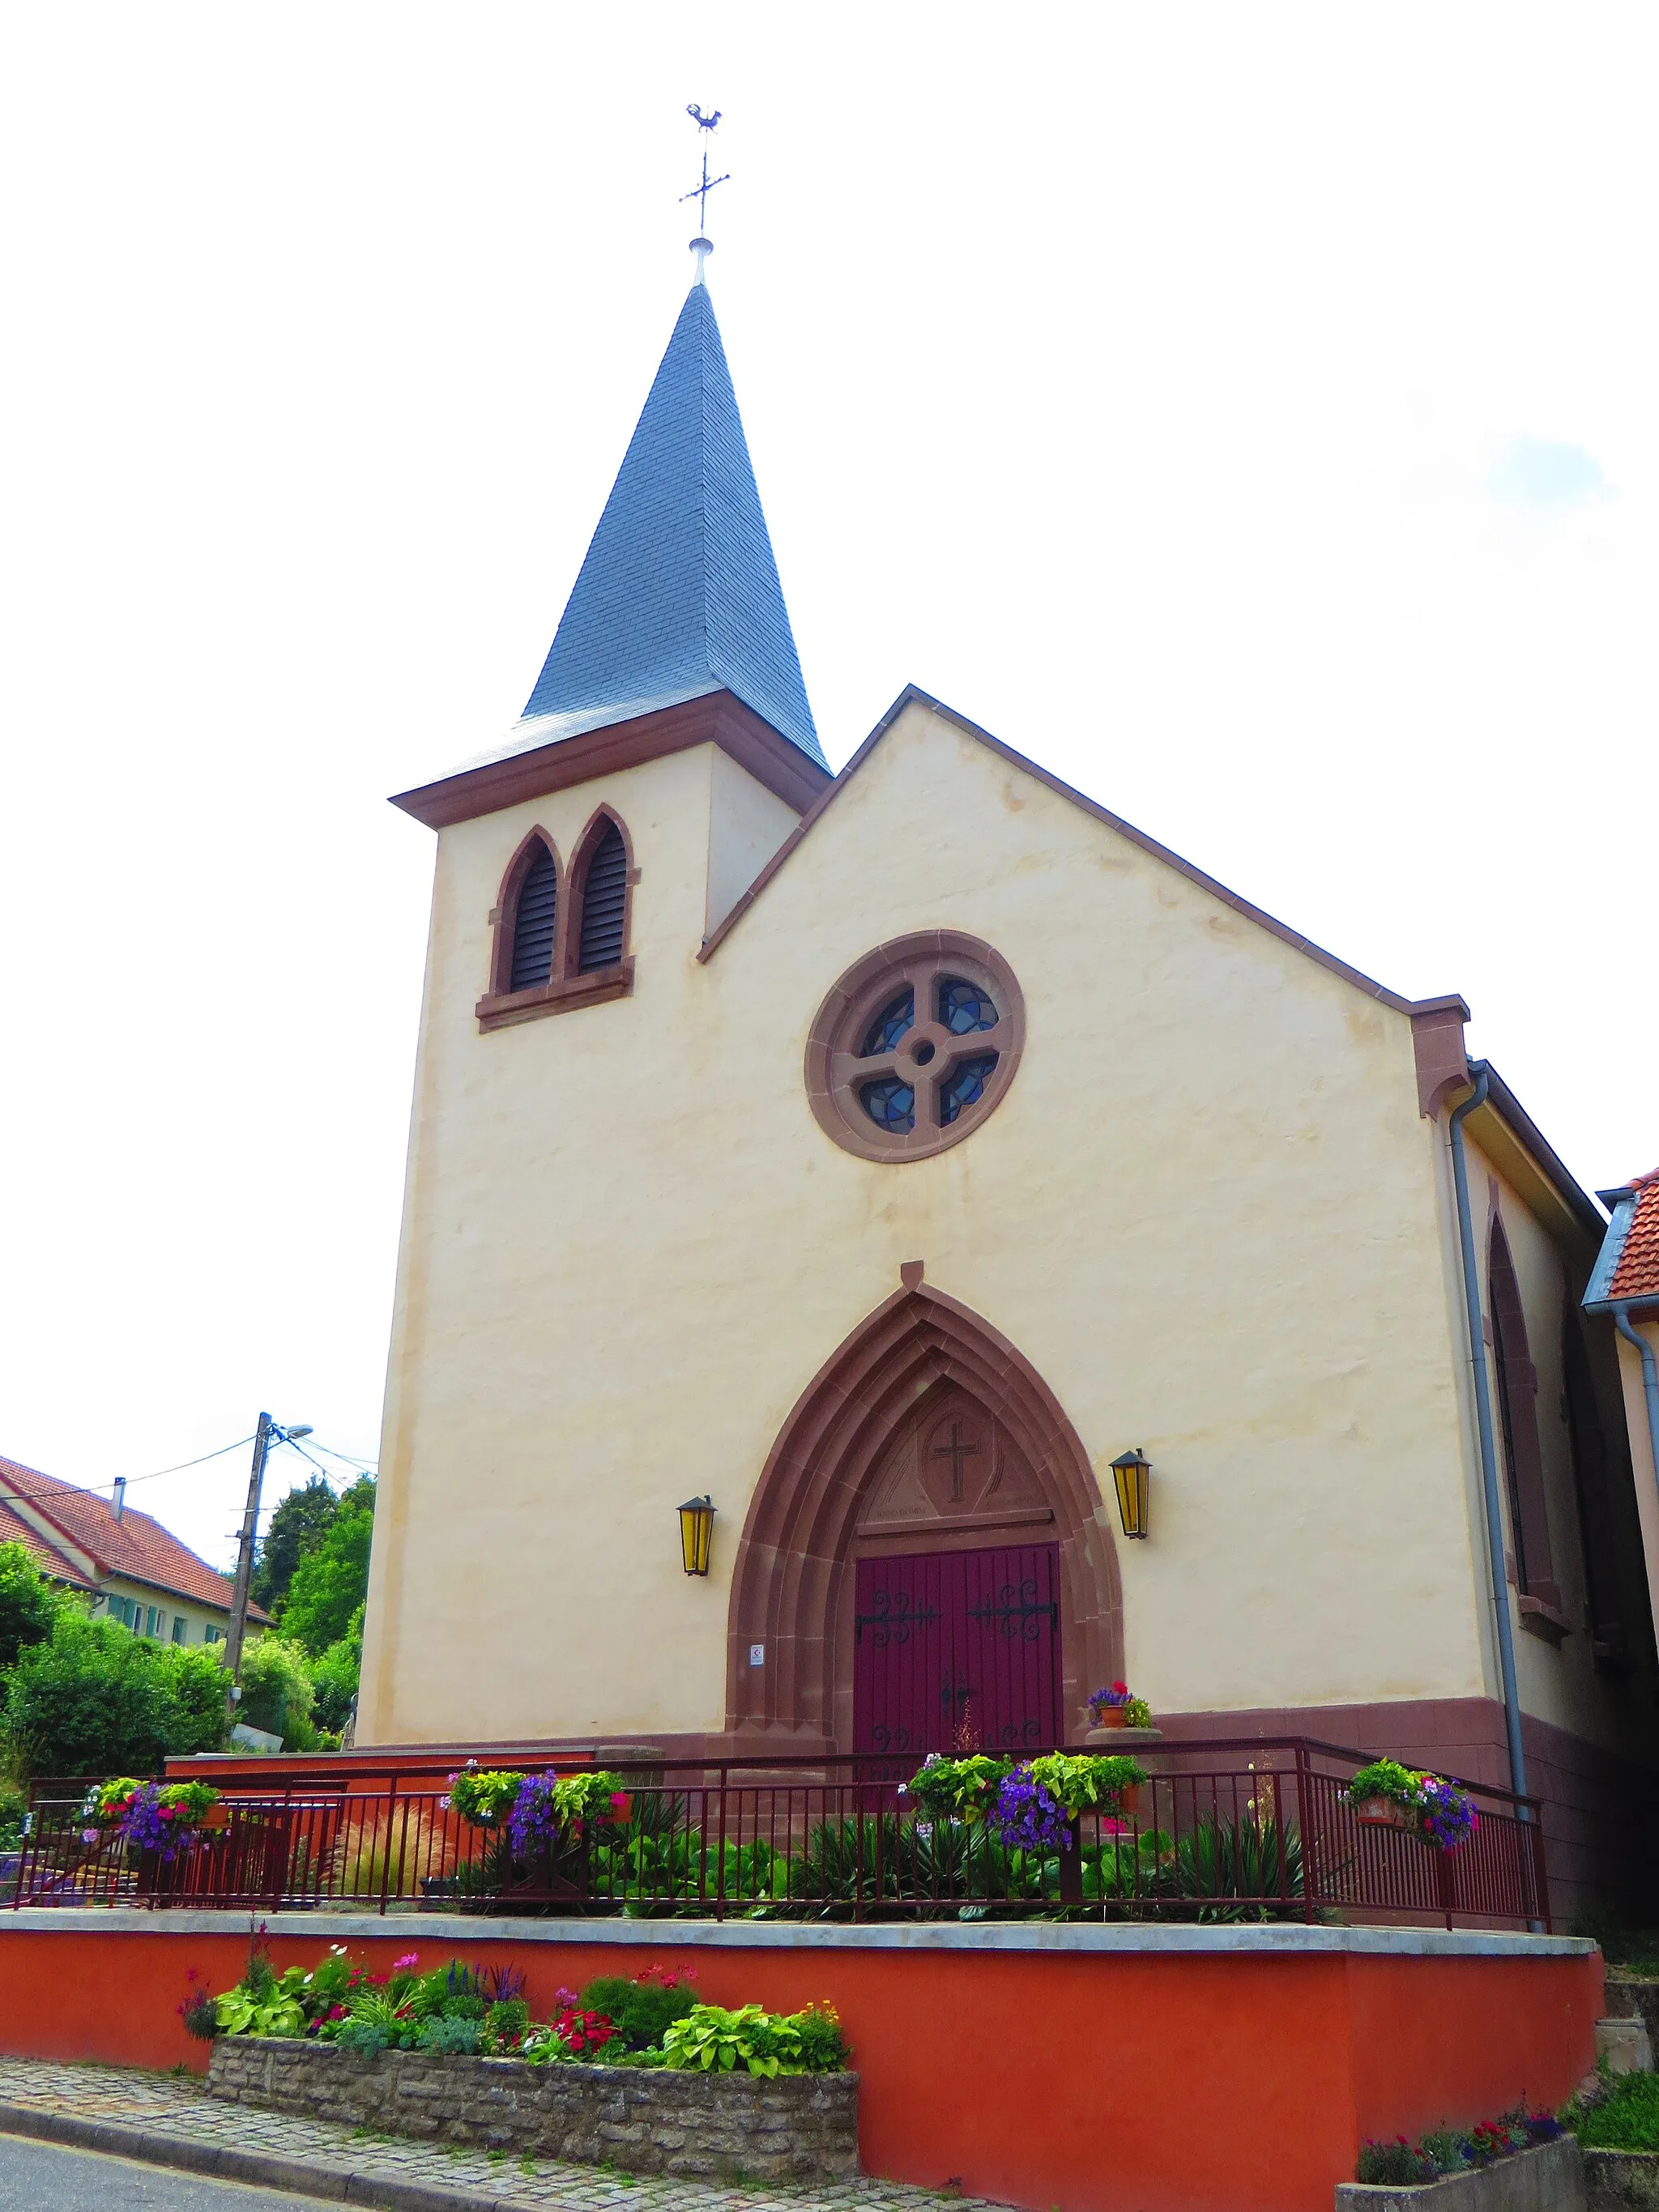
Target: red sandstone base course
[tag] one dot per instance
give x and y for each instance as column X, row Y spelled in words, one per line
column 1091, row 2069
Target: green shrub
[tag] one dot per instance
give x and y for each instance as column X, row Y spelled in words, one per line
column 276, row 1690
column 29, row 1604
column 94, row 1698
column 639, row 2011
column 508, row 2019
column 451, row 2037
column 1626, row 2118
column 334, row 1678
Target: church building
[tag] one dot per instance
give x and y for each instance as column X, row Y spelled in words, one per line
column 1050, row 1267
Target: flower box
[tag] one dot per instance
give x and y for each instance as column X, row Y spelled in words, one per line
column 1383, row 1813
column 702, row 2126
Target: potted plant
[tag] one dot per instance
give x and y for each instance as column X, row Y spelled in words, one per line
column 1083, row 1783
column 956, row 1789
column 1117, row 1707
column 482, row 1796
column 1384, row 1794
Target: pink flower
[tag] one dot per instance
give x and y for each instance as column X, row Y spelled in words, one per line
column 410, row 1960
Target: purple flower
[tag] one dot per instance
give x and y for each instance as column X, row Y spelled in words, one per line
column 534, row 1824
column 1026, row 1817
column 1446, row 1814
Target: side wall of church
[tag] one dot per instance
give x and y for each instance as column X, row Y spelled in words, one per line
column 1207, row 1212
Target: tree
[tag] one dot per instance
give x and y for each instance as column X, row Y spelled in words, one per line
column 298, row 1524
column 276, row 1692
column 330, row 1582
column 334, row 1677
column 28, row 1602
column 94, row 1698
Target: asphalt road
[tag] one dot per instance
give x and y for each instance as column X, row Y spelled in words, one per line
column 36, row 2177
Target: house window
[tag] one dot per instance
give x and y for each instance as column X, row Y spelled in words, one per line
column 178, row 1628
column 152, row 1620
column 916, row 1046
column 211, row 1634
column 561, row 935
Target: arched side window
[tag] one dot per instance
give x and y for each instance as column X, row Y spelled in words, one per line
column 600, row 879
column 1596, row 1526
column 535, row 923
column 1518, row 1407
column 561, row 935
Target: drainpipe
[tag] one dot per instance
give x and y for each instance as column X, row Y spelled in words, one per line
column 1500, row 1591
column 1620, row 1310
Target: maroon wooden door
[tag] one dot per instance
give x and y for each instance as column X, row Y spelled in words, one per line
column 956, row 1636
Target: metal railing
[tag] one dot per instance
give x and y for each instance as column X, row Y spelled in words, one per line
column 1222, row 1831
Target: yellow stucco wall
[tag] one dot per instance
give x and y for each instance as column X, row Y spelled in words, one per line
column 1207, row 1212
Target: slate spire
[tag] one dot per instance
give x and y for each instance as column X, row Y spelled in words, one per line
column 679, row 595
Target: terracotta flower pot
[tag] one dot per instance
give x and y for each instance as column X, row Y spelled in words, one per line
column 1111, row 1717
column 1129, row 1801
column 621, row 1808
column 1383, row 1813
column 216, row 1816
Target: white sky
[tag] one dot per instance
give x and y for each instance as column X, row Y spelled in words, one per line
column 1250, row 413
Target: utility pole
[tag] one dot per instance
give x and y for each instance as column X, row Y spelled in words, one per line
column 234, row 1641
column 244, row 1564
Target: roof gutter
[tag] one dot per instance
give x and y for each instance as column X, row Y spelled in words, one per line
column 1500, row 1593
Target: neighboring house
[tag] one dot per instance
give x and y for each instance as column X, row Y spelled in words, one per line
column 888, row 1158
column 135, row 1571
column 1625, row 1287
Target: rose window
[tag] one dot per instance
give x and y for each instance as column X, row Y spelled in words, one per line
column 915, row 1046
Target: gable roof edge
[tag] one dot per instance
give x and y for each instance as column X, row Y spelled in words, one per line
column 913, row 696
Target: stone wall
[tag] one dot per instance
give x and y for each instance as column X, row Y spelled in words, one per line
column 645, row 2120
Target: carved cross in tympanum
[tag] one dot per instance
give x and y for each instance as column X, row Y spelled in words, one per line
column 955, row 1451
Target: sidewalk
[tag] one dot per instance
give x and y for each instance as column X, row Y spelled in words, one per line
column 168, row 2119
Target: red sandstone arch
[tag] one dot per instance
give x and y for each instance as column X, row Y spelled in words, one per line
column 792, row 1587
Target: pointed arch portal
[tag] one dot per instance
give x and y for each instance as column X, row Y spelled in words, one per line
column 928, row 1442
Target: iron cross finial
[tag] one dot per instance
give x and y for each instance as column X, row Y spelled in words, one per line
column 700, row 245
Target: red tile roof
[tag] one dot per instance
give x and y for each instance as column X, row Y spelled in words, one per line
column 134, row 1546
column 1636, row 1276
column 15, row 1530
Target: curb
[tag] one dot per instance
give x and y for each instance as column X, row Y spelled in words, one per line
column 222, row 2162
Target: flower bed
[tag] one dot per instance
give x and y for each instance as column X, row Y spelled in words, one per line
column 714, row 2126
column 456, row 2010
column 634, row 2071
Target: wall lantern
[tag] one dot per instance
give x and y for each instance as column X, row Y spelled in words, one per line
column 1130, row 1470
column 696, row 1527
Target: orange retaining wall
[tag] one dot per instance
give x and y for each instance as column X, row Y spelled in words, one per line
column 1100, row 2071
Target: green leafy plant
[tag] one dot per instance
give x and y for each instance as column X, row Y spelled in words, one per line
column 483, row 1796
column 716, row 2040
column 1623, row 2115
column 1252, row 1859
column 450, row 2038
column 957, row 1788
column 1081, row 1782
column 1137, row 1714
column 1386, row 1778
column 331, row 1580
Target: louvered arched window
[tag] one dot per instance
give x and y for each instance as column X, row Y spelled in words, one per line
column 561, row 933
column 535, row 923
column 1517, row 1408
column 604, row 902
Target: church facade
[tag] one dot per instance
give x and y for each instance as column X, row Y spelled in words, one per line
column 883, row 1158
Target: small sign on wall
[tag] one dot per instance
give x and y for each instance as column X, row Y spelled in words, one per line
column 757, row 1655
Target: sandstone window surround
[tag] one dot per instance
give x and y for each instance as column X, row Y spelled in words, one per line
column 559, row 935
column 916, row 1046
